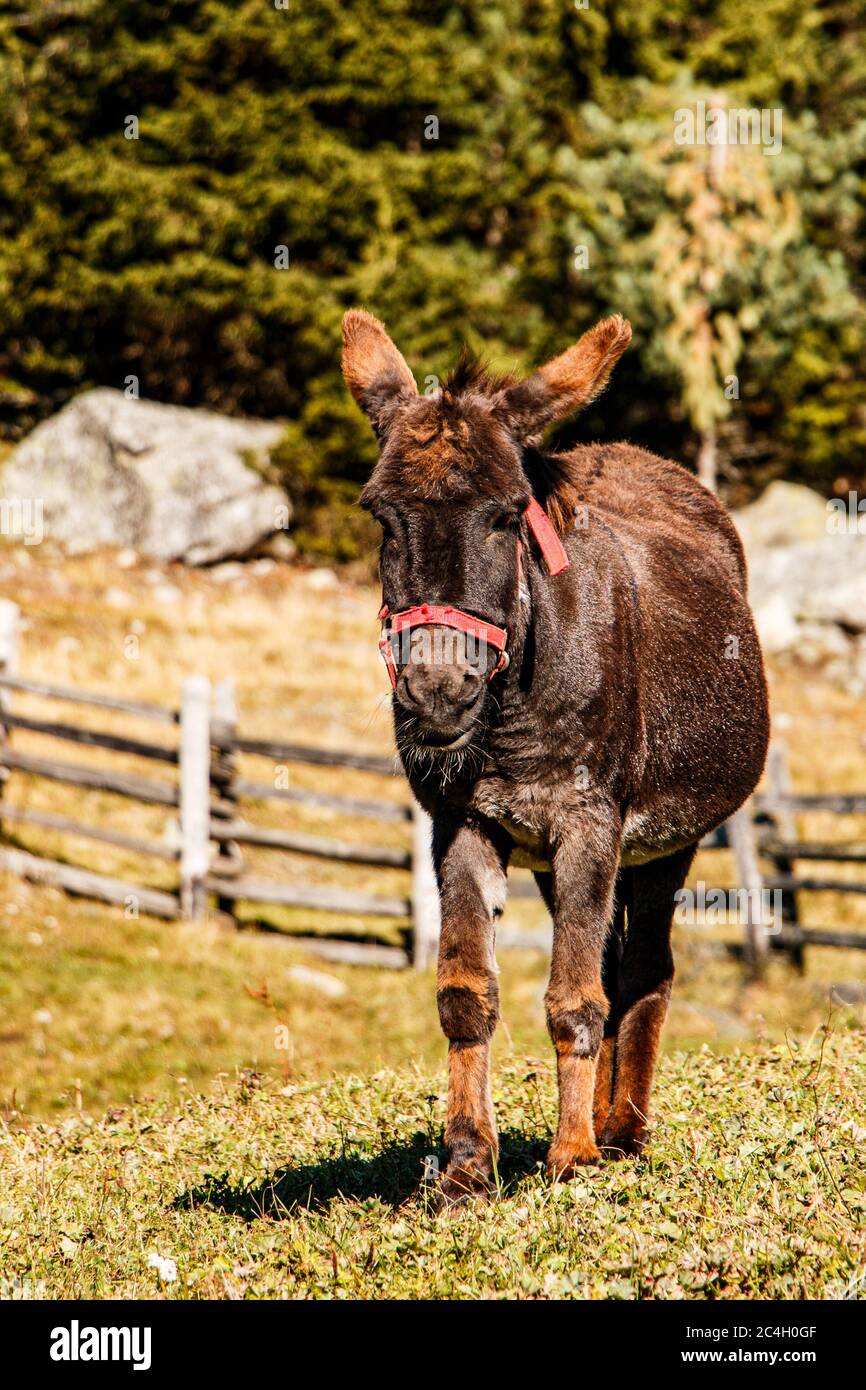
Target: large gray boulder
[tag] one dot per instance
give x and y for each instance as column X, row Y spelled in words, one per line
column 170, row 482
column 807, row 582
column 822, row 580
column 783, row 514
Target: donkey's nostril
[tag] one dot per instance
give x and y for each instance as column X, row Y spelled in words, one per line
column 470, row 691
column 412, row 696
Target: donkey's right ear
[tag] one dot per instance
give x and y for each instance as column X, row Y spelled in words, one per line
column 375, row 371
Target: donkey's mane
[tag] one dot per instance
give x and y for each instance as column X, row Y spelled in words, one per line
column 558, row 480
column 555, row 478
column 472, row 373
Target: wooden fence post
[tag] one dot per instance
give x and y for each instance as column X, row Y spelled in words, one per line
column 742, row 837
column 223, row 773
column 784, row 826
column 194, row 796
column 425, row 891
column 9, row 629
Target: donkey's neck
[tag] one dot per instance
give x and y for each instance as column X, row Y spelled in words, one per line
column 568, row 688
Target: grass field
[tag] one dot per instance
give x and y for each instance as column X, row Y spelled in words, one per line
column 754, row 1188
column 137, row 1056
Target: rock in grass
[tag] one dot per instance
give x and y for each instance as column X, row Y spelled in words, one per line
column 316, row 980
column 807, row 581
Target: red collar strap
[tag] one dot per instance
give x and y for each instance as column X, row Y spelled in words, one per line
column 548, row 542
column 443, row 615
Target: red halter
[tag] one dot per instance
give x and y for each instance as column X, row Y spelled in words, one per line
column 443, row 615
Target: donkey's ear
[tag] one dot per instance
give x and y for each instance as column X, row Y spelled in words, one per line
column 376, row 372
column 567, row 382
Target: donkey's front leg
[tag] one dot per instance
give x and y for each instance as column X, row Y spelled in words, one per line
column 584, row 868
column 471, row 872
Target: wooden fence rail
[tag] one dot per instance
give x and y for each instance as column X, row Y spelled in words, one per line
column 139, row 708
column 148, row 790
column 47, row 820
column 211, row 798
column 349, row 805
column 71, row 733
column 294, row 842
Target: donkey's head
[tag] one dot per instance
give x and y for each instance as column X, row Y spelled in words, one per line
column 455, row 476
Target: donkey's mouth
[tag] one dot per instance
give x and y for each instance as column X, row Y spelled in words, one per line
column 445, row 745
column 425, row 741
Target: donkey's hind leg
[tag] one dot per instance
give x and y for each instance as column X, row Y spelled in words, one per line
column 645, row 978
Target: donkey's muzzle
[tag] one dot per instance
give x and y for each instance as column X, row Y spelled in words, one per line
column 441, row 683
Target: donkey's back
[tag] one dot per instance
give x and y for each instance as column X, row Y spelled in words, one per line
column 655, row 505
column 697, row 675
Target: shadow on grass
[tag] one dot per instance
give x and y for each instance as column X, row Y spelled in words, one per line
column 393, row 1176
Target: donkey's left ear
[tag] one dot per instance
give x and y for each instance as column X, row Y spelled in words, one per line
column 375, row 370
column 566, row 383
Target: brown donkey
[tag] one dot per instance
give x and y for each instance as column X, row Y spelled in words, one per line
column 578, row 687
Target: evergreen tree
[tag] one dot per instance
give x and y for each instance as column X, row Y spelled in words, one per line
column 192, row 191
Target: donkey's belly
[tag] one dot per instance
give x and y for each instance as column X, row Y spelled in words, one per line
column 643, row 842
column 529, row 850
column 645, row 837
column 669, row 824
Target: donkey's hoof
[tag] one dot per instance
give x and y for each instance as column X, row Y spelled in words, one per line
column 628, row 1143
column 460, row 1186
column 563, row 1163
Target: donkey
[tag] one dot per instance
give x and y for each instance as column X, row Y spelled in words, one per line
column 577, row 688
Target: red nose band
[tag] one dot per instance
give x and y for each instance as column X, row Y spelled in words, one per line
column 443, row 615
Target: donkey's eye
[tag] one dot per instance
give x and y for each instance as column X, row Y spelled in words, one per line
column 505, row 521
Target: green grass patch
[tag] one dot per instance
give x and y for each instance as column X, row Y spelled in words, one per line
column 754, row 1188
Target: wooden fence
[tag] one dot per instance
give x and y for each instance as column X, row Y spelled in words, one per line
column 207, row 792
